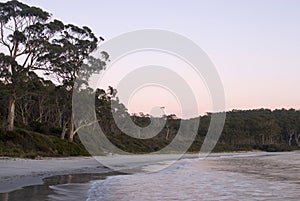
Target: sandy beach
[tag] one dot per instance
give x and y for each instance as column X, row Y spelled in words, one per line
column 82, row 177
column 16, row 173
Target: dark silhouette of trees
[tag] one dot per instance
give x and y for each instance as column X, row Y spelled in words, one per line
column 34, row 43
column 25, row 32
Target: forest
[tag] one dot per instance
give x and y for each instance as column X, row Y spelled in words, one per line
column 40, row 60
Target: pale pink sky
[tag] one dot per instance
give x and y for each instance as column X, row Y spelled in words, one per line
column 254, row 44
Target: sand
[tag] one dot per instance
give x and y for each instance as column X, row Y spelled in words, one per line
column 16, row 173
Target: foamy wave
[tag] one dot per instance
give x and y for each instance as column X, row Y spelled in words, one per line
column 192, row 179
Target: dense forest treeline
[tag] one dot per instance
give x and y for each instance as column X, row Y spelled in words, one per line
column 45, row 108
column 40, row 60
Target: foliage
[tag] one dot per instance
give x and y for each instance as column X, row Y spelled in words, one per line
column 31, row 41
column 22, row 143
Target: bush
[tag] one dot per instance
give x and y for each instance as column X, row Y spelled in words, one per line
column 274, row 147
column 22, row 143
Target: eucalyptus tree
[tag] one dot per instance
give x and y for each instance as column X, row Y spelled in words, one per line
column 31, row 41
column 25, row 33
column 72, row 63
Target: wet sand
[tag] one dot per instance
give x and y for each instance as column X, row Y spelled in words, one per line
column 60, row 187
column 16, row 173
column 73, row 178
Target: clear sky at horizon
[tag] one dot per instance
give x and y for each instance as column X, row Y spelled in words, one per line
column 254, row 44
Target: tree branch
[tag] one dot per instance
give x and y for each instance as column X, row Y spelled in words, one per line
column 84, row 125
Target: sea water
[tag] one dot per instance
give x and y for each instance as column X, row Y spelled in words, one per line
column 241, row 176
column 225, row 177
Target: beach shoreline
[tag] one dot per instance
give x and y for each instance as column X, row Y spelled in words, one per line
column 17, row 173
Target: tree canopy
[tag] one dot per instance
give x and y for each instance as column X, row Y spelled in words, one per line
column 33, row 42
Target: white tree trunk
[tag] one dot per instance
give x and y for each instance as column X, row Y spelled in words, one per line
column 64, row 130
column 71, row 133
column 11, row 112
column 291, row 134
column 168, row 132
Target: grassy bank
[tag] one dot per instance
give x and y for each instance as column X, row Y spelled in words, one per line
column 222, row 147
column 27, row 144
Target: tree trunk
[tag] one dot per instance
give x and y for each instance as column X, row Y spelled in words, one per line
column 41, row 110
column 290, row 140
column 291, row 134
column 23, row 111
column 71, row 133
column 64, row 130
column 168, row 131
column 297, row 138
column 11, row 111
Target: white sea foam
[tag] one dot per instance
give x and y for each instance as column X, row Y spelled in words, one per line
column 194, row 179
column 69, row 192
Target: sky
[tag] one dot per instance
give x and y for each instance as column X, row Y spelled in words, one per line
column 254, row 44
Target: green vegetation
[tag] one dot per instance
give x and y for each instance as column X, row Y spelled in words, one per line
column 31, row 41
column 248, row 130
column 22, row 143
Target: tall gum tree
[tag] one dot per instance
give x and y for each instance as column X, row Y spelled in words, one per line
column 71, row 60
column 25, row 31
column 30, row 41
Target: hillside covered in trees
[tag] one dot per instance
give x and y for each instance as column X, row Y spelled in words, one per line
column 41, row 58
column 45, row 108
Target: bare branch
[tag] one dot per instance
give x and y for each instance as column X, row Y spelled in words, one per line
column 85, row 125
